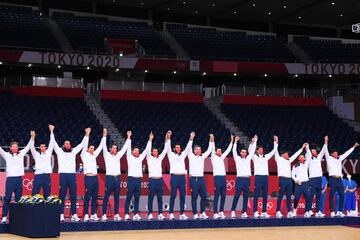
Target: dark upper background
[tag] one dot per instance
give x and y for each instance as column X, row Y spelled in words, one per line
column 308, row 17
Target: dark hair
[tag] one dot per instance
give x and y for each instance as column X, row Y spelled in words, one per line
column 14, row 143
column 333, row 150
column 113, row 144
column 258, row 147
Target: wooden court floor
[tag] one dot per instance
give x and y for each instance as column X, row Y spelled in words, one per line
column 261, row 233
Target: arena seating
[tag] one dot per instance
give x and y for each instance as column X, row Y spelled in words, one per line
column 182, row 118
column 88, row 33
column 329, row 50
column 293, row 124
column 22, row 27
column 20, row 114
column 208, row 43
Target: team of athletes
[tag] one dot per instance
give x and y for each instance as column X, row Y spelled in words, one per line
column 307, row 175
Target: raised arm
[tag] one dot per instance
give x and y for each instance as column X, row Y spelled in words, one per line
column 307, row 155
column 227, row 151
column 234, row 150
column 79, row 147
column 348, row 152
column 104, row 146
column 32, row 149
column 295, row 155
column 126, row 146
column 208, row 150
column 85, row 141
column 166, row 147
column 148, row 147
column 321, row 154
column 100, row 147
column 213, row 150
column 252, row 147
column 272, row 153
column 188, row 150
column 51, row 142
column 57, row 149
column 325, row 147
column 148, row 153
column 27, row 148
column 128, row 149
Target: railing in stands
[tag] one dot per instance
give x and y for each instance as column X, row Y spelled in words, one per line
column 144, row 86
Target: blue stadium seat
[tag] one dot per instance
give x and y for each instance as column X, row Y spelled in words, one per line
column 208, row 43
column 329, row 50
column 22, row 27
column 182, row 118
column 20, row 114
column 294, row 125
column 87, row 33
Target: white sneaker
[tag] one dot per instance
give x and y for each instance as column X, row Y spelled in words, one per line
column 311, row 212
column 307, row 215
column 104, row 218
column 4, row 220
column 86, row 218
column 216, row 216
column 172, row 217
column 196, row 216
column 75, row 218
column 117, row 217
column 127, row 217
column 332, row 214
column 319, row 214
column 256, row 214
column 62, row 218
column 354, row 213
column 244, row 215
column 340, row 214
column 183, row 217
column 278, row 214
column 233, row 214
column 265, row 215
column 161, row 217
column 94, row 218
column 294, row 212
column 136, row 217
column 222, row 215
column 150, row 217
column 203, row 216
column 290, row 215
